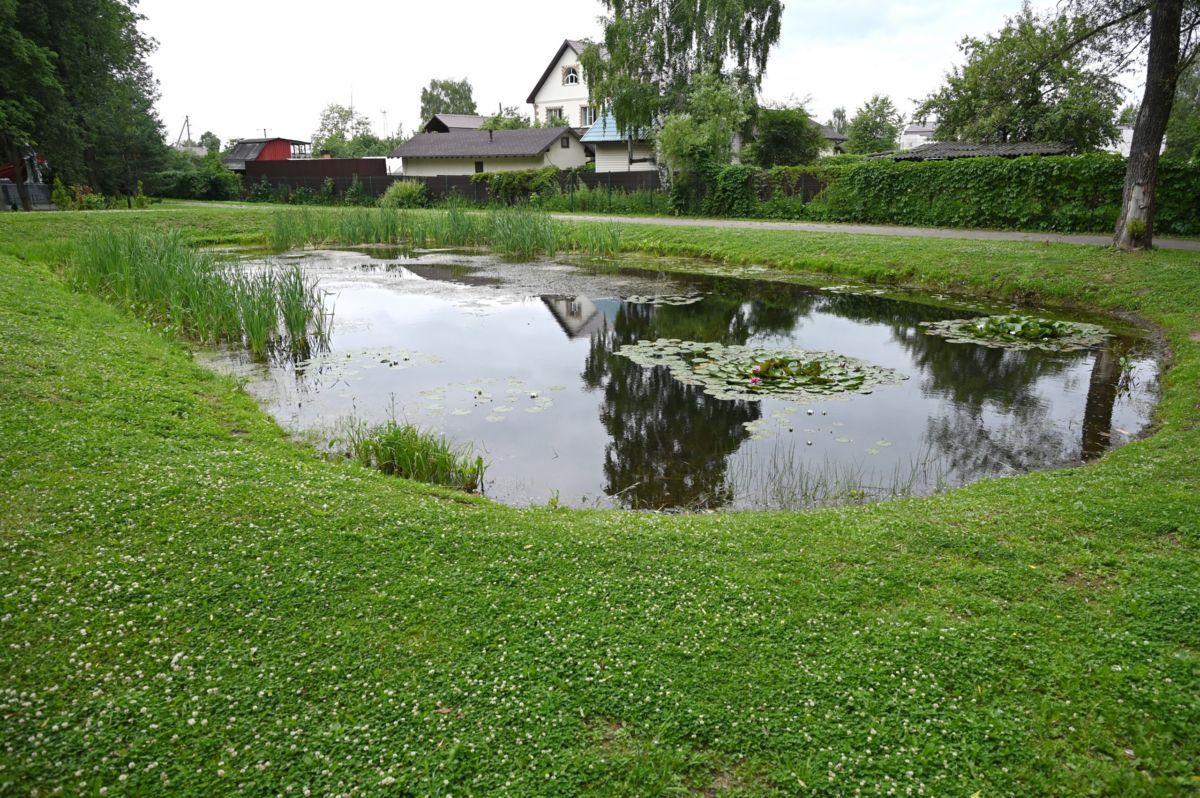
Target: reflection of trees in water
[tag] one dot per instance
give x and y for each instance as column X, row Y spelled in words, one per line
column 1004, row 380
column 670, row 442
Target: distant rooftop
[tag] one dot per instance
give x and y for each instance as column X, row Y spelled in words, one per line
column 524, row 143
column 448, row 123
column 831, row 134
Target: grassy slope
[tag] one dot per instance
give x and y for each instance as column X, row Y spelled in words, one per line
column 193, row 603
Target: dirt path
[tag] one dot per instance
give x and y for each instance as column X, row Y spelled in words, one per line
column 1189, row 245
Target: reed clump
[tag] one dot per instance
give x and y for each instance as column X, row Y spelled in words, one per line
column 517, row 232
column 205, row 297
column 403, row 450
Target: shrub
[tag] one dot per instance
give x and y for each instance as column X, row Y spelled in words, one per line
column 60, row 196
column 404, row 194
column 736, row 191
column 357, row 195
column 518, row 185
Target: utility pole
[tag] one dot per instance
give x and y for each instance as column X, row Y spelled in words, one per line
column 385, row 127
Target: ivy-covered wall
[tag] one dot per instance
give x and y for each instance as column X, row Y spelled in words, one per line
column 1080, row 193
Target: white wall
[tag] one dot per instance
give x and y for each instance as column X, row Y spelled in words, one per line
column 426, row 167
column 614, row 157
column 554, row 93
column 566, row 157
column 909, row 141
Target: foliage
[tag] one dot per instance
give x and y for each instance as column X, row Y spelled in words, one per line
column 404, row 194
column 702, row 132
column 583, row 199
column 654, row 51
column 519, row 185
column 403, row 450
column 509, row 118
column 446, row 96
column 356, row 194
column 1028, row 83
column 875, row 127
column 838, row 120
column 59, row 195
column 735, row 192
column 346, row 133
column 785, row 137
column 1128, row 114
column 1017, row 331
column 1183, row 128
column 747, row 373
column 210, row 142
column 190, row 177
column 74, row 83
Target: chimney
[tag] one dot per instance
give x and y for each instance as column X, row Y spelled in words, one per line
column 489, row 134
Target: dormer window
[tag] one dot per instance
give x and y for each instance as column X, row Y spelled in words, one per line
column 571, row 76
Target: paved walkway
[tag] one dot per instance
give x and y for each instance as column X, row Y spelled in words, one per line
column 1189, row 245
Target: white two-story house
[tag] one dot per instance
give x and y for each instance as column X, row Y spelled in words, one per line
column 562, row 92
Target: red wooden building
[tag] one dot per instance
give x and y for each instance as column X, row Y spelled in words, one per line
column 274, row 149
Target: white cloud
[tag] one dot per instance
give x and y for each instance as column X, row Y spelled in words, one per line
column 238, row 67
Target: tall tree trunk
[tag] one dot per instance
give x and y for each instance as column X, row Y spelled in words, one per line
column 1135, row 227
column 20, row 175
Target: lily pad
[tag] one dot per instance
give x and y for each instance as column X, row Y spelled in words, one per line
column 665, row 299
column 1015, row 331
column 751, row 373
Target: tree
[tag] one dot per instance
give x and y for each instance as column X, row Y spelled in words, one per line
column 786, row 137
column 210, row 142
column 1026, row 83
column 508, row 118
column 838, row 121
column 28, row 87
column 337, row 126
column 1128, row 114
column 98, row 126
column 653, row 50
column 446, row 96
column 1168, row 33
column 875, row 127
column 1183, row 128
column 702, row 134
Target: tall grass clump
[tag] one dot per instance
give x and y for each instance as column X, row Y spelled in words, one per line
column 403, row 450
column 522, row 232
column 597, row 239
column 204, row 297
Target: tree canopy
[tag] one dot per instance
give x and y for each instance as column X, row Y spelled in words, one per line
column 875, row 127
column 838, row 120
column 1028, row 82
column 446, row 96
column 1183, row 127
column 74, row 84
column 702, row 133
column 785, row 136
column 345, row 133
column 508, row 118
column 654, row 49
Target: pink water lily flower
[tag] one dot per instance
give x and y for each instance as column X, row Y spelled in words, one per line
column 755, row 381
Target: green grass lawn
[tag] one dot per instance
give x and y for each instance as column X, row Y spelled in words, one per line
column 193, row 604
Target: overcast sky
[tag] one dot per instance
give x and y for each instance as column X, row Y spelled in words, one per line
column 237, row 68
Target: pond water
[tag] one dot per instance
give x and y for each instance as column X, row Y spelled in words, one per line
column 522, row 361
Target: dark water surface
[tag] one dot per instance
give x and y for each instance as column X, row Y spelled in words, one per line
column 519, row 360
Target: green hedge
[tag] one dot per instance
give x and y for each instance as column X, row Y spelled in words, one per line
column 1080, row 193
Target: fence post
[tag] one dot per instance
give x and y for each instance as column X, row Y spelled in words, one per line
column 610, row 192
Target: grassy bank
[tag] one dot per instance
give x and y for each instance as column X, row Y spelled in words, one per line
column 192, row 604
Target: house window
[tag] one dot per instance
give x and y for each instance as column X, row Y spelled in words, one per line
column 565, row 142
column 587, row 116
column 478, row 167
column 554, row 113
column 571, row 76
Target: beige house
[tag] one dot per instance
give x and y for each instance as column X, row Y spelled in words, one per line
column 467, row 152
column 562, row 91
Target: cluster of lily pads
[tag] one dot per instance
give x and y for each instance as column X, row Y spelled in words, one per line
column 665, row 299
column 1015, row 331
column 743, row 372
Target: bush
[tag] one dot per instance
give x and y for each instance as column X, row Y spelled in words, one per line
column 357, row 195
column 196, row 178
column 60, row 196
column 520, row 184
column 404, row 194
column 736, row 191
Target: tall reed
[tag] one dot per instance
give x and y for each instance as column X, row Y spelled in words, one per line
column 404, row 450
column 205, row 297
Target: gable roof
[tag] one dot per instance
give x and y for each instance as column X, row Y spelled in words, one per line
column 604, row 130
column 950, row 150
column 574, row 44
column 524, row 143
column 831, row 134
column 446, row 123
column 250, row 149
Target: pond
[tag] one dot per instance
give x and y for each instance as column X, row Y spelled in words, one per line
column 551, row 372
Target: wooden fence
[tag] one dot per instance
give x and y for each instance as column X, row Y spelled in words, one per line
column 372, row 174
